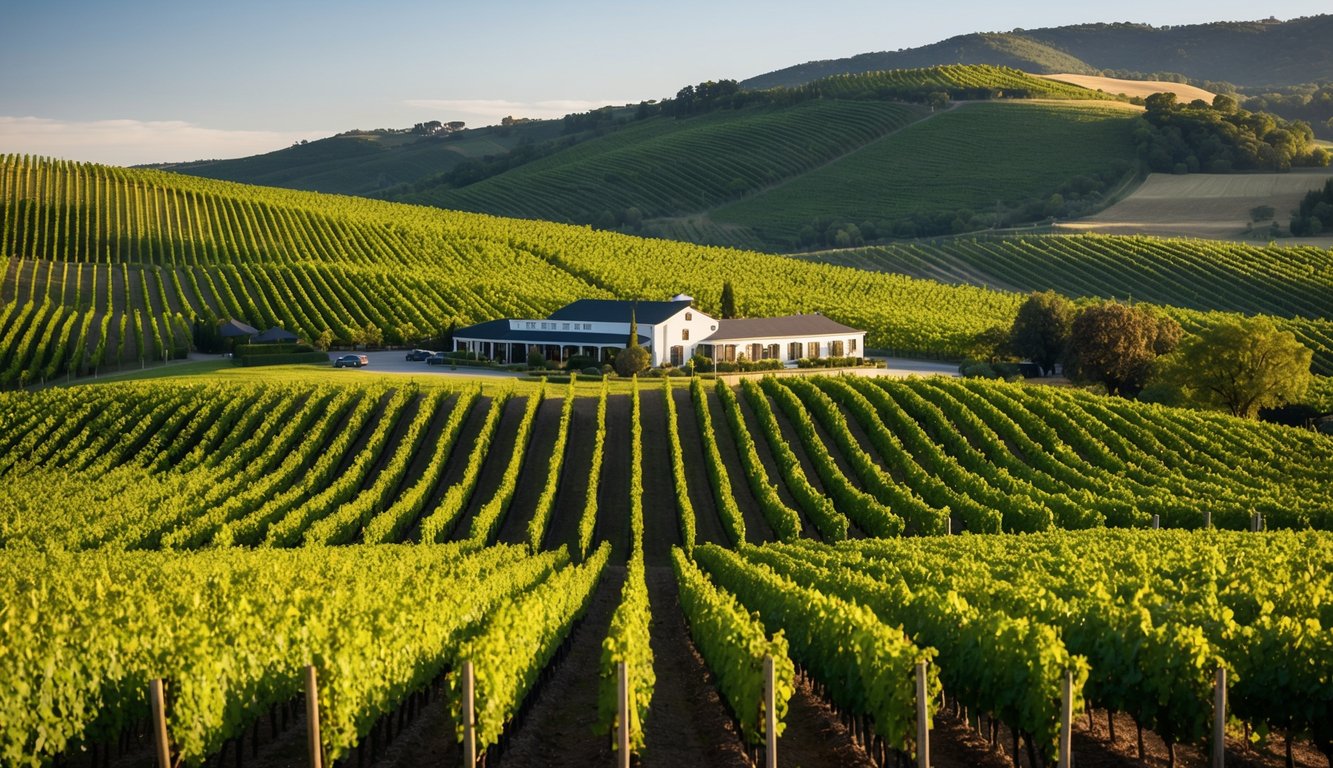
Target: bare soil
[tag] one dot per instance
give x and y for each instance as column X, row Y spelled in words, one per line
column 1207, row 205
column 456, row 464
column 1141, row 88
column 775, row 477
column 497, row 461
column 613, row 488
column 661, row 518
column 708, row 525
column 757, row 530
column 533, row 473
column 563, row 528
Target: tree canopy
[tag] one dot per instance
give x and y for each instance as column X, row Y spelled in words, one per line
column 1115, row 345
column 1239, row 366
column 1220, row 137
column 633, row 359
column 1041, row 329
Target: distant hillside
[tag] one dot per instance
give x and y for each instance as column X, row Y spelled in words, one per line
column 1253, row 53
column 369, row 162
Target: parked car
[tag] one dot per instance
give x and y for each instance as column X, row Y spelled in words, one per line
column 351, row 361
column 437, row 358
column 418, row 355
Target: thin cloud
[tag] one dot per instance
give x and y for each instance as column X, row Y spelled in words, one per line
column 137, row 142
column 496, row 109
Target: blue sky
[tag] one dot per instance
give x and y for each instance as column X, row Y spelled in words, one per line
column 135, row 81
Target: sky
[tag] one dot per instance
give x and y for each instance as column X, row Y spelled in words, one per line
column 141, row 81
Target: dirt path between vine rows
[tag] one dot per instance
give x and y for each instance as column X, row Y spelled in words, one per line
column 563, row 528
column 533, row 474
column 661, row 518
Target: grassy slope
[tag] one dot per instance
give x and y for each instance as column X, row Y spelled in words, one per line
column 355, row 164
column 664, row 166
column 969, row 157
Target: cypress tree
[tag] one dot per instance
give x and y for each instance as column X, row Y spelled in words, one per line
column 728, row 301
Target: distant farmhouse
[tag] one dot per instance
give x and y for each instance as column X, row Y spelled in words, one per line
column 672, row 332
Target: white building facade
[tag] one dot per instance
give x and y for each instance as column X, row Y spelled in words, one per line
column 672, row 332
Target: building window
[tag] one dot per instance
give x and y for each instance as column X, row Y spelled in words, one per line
column 851, row 346
column 771, row 352
column 812, row 349
column 566, row 327
column 756, row 351
column 689, row 316
column 587, row 326
column 684, row 334
column 835, row 348
column 794, row 350
column 677, row 355
column 532, row 325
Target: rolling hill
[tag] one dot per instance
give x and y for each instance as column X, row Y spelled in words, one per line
column 106, row 267
column 1252, row 53
column 663, row 169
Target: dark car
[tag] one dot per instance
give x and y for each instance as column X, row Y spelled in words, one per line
column 437, row 358
column 418, row 355
column 351, row 361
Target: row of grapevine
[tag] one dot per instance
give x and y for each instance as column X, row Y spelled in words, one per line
column 1153, row 612
column 684, row 507
column 545, row 503
column 627, row 639
column 229, row 656
column 732, row 522
column 588, row 519
column 487, row 522
column 733, row 643
column 518, row 639
column 784, row 520
column 866, row 665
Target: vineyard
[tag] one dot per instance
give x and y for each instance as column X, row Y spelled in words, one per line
column 480, row 568
column 107, row 267
column 665, row 167
column 150, row 491
column 959, row 81
column 1009, row 152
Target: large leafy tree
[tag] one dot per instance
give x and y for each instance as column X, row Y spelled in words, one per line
column 1239, row 366
column 1041, row 330
column 1115, row 345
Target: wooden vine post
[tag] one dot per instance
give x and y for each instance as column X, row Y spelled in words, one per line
column 312, row 717
column 469, row 716
column 1156, row 521
column 1066, row 756
column 161, row 748
column 922, row 718
column 622, row 706
column 1220, row 718
column 770, row 716
column 1207, row 518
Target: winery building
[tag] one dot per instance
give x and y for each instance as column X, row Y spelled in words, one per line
column 672, row 332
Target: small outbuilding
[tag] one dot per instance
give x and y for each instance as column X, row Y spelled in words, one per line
column 275, row 336
column 235, row 329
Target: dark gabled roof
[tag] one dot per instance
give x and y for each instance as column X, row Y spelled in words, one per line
column 231, row 328
column 614, row 311
column 499, row 330
column 273, row 335
column 777, row 327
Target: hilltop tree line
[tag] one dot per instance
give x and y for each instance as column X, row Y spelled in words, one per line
column 1315, row 214
column 1239, row 366
column 1221, row 137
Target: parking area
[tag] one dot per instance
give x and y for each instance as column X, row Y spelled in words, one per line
column 395, row 362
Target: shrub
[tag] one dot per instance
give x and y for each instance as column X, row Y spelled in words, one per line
column 536, row 359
